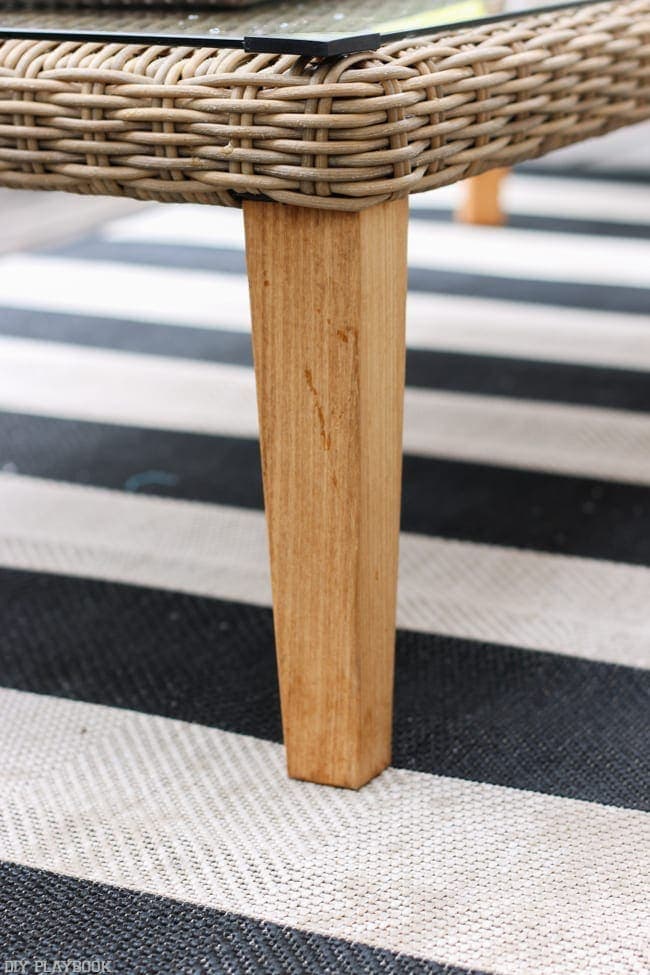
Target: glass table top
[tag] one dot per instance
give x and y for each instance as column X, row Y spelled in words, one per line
column 307, row 27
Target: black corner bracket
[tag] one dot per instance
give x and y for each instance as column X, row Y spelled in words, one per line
column 312, row 45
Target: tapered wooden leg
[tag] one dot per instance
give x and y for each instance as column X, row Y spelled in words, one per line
column 328, row 293
column 481, row 203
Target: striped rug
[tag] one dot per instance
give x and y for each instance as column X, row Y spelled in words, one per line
column 146, row 823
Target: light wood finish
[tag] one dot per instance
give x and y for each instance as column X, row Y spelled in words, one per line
column 328, row 295
column 481, row 202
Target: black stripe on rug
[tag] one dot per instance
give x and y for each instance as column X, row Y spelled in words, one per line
column 125, row 335
column 451, row 499
column 227, row 260
column 639, row 177
column 558, row 382
column 526, row 719
column 51, row 917
column 570, row 294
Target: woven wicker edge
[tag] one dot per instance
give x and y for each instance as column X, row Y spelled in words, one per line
column 185, row 124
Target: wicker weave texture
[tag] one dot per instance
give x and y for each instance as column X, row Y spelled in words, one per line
column 186, row 124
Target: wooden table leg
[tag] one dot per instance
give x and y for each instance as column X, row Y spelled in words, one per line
column 328, row 294
column 481, row 203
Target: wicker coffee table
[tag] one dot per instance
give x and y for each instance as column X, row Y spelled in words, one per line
column 320, row 127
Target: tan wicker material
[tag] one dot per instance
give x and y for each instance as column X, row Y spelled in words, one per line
column 185, row 124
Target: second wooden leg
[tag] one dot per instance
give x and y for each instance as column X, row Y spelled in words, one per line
column 481, row 202
column 328, row 293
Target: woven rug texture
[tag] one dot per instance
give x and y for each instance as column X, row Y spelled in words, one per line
column 147, row 826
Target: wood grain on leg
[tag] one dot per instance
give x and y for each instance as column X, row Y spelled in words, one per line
column 328, row 293
column 481, row 202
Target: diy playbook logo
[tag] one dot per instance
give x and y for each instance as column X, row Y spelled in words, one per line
column 56, row 966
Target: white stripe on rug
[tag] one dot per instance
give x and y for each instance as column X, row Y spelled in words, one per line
column 539, row 332
column 530, row 254
column 554, row 196
column 159, row 295
column 82, row 383
column 503, row 251
column 202, row 299
column 573, row 606
column 461, row 872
